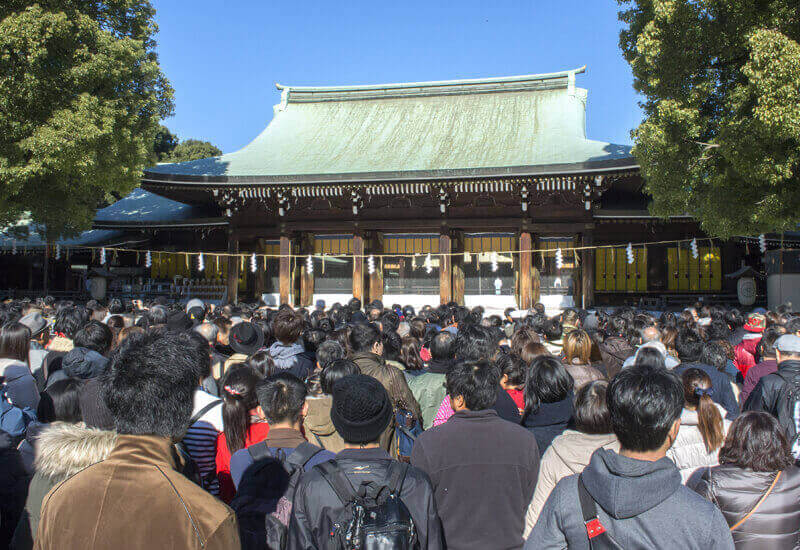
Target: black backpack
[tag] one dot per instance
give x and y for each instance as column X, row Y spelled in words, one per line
column 787, row 409
column 263, row 501
column 374, row 517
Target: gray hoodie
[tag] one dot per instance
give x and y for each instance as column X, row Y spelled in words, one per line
column 641, row 504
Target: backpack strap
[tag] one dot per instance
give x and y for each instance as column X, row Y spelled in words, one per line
column 199, row 414
column 302, row 454
column 337, row 480
column 259, row 451
column 397, row 475
column 598, row 537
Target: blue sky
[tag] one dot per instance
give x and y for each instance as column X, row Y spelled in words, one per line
column 224, row 59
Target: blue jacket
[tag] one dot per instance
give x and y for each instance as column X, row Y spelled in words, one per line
column 721, row 384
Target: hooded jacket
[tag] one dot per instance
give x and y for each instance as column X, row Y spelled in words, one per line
column 744, row 353
column 549, row 421
column 80, row 363
column 769, row 396
column 292, row 358
column 641, row 504
column 20, row 385
column 135, row 498
column 318, row 425
column 316, row 505
column 569, row 454
column 62, row 450
column 13, row 487
column 688, row 452
column 775, row 524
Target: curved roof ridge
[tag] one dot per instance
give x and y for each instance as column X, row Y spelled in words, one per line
column 435, row 83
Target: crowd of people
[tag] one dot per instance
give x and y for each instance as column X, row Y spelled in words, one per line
column 167, row 425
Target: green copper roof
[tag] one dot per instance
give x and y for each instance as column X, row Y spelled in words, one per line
column 525, row 124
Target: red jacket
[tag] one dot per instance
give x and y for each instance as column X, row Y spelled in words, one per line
column 745, row 353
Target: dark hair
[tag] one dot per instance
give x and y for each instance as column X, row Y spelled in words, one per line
column 115, row 306
column 533, row 350
column 287, row 326
column 649, row 357
column 392, row 345
column 551, row 329
column 261, row 362
column 547, row 382
column 441, row 347
column 150, row 383
column 757, row 442
column 334, row 372
column 770, row 335
column 474, row 343
column 689, row 346
column 238, row 399
column 157, row 315
column 696, row 386
column 522, row 338
column 513, row 367
column 644, row 403
column 714, row 355
column 416, row 327
column 312, row 339
column 94, row 336
column 409, row 354
column 281, row 397
column 60, row 403
column 363, row 336
column 69, row 320
column 591, row 409
column 476, row 381
column 201, row 356
column 328, row 352
column 15, row 341
column 116, row 323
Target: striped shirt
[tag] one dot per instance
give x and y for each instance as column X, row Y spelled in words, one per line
column 201, row 438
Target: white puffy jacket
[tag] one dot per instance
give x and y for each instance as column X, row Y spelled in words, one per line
column 689, row 452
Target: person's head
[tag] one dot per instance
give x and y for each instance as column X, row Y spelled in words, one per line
column 577, row 347
column 69, row 320
column 126, row 333
column 238, row 400
column 287, row 326
column 15, row 341
column 94, row 336
column 697, row 392
column 365, row 337
column 521, row 338
column 223, row 330
column 689, row 346
column 335, row 371
column 756, row 441
column 409, row 354
column 360, row 409
column 591, row 409
column 532, row 350
column 328, row 352
column 766, row 345
column 474, row 343
column 200, row 356
column 441, row 347
column 116, row 323
column 547, row 382
column 282, row 398
column 158, row 315
column 150, row 383
column 512, row 370
column 60, row 402
column 645, row 404
column 261, row 362
column 649, row 334
column 208, row 331
column 787, row 348
column 714, row 355
column 650, row 357
column 472, row 385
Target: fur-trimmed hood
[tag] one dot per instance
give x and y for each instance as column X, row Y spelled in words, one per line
column 63, row 449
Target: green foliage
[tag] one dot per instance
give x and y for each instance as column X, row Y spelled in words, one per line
column 81, row 95
column 194, row 149
column 721, row 134
column 163, row 144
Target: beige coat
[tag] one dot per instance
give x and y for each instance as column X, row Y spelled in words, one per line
column 318, row 425
column 569, row 454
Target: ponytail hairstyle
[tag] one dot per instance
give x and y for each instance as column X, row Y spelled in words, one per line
column 238, row 399
column 697, row 393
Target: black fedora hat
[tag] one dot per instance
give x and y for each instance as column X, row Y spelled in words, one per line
column 246, row 338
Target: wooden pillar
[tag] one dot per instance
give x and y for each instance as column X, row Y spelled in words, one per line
column 358, row 267
column 233, row 268
column 445, row 269
column 587, row 270
column 374, row 245
column 260, row 274
column 526, row 298
column 306, row 277
column 285, row 270
column 457, row 265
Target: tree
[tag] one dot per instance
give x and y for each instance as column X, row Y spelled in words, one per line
column 163, row 144
column 194, row 149
column 721, row 135
column 81, row 95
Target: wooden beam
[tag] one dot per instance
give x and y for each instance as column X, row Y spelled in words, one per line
column 525, row 271
column 358, row 267
column 445, row 269
column 285, row 270
column 233, row 268
column 587, row 270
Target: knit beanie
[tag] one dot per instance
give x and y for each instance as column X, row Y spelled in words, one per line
column 361, row 409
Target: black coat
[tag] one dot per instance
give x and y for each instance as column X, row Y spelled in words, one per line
column 721, row 384
column 735, row 491
column 549, row 421
column 768, row 395
column 316, row 506
column 13, row 488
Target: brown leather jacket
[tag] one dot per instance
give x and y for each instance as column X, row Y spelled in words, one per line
column 135, row 499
